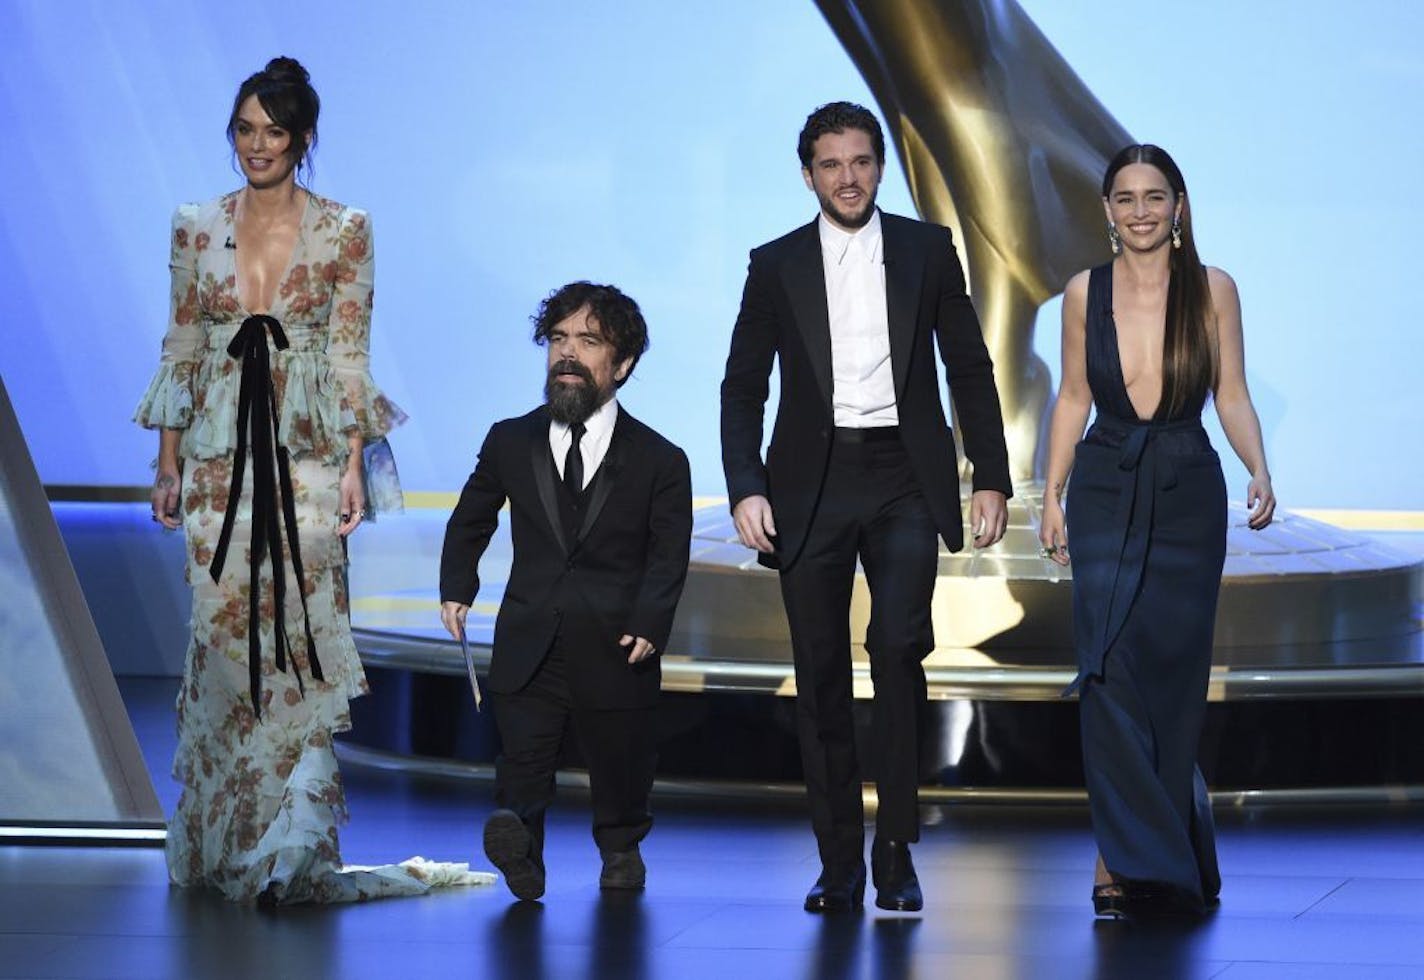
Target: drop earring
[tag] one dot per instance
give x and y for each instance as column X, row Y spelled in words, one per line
column 1114, row 239
column 1177, row 231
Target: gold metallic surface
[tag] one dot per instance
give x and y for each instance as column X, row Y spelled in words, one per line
column 1297, row 596
column 1307, row 610
column 1002, row 142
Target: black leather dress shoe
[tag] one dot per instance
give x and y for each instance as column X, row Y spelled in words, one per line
column 507, row 845
column 897, row 888
column 623, row 870
column 837, row 892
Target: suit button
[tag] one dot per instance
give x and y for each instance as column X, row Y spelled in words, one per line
column 556, row 611
column 569, row 564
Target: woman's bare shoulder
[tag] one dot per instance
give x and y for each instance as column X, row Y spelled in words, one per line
column 1219, row 282
column 1075, row 294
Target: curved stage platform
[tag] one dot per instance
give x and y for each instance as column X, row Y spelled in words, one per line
column 1316, row 688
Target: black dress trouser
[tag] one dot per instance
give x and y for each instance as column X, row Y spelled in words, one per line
column 617, row 746
column 871, row 508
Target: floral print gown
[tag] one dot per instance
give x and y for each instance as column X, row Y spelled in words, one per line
column 262, row 796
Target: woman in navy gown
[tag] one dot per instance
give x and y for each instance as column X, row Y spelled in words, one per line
column 1146, row 338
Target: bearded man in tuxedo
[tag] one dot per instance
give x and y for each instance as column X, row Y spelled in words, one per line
column 600, row 510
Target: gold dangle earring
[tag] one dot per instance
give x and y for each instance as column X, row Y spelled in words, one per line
column 1177, row 231
column 1114, row 239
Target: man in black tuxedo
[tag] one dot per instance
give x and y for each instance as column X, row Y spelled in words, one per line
column 600, row 512
column 861, row 465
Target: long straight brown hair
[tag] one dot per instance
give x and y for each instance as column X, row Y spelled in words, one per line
column 1189, row 362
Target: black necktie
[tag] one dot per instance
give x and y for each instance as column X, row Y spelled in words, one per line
column 573, row 462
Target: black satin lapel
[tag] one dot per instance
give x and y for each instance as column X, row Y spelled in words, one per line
column 544, row 480
column 904, row 274
column 604, row 479
column 805, row 277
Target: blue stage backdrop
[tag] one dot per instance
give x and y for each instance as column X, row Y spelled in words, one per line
column 504, row 149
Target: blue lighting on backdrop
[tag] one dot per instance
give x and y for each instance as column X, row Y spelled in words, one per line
column 504, row 149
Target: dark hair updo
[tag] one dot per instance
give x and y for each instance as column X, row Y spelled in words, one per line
column 284, row 91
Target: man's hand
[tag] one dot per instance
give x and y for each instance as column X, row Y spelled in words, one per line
column 988, row 517
column 452, row 615
column 639, row 648
column 755, row 525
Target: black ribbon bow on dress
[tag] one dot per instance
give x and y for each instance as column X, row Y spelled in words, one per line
column 271, row 492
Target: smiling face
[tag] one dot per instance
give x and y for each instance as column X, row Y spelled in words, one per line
column 583, row 368
column 1142, row 206
column 844, row 175
column 267, row 153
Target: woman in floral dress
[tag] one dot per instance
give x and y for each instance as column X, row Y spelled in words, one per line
column 264, row 404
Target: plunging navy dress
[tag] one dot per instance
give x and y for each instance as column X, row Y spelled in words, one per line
column 1146, row 518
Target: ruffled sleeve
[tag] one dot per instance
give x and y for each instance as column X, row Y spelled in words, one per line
column 364, row 408
column 168, row 402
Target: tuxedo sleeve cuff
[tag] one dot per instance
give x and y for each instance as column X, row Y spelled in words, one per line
column 996, row 481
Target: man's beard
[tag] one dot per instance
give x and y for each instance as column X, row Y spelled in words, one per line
column 570, row 402
column 828, row 204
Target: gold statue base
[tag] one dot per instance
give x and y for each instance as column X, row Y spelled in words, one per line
column 1306, row 609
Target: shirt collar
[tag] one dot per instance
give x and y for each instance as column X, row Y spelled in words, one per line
column 596, row 428
column 836, row 242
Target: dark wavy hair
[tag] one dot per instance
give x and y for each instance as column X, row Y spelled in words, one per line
column 1189, row 363
column 284, row 91
column 615, row 313
column 837, row 117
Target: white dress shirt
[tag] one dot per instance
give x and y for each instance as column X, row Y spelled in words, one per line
column 598, row 430
column 863, row 384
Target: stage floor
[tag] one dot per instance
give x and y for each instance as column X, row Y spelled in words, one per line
column 1320, row 893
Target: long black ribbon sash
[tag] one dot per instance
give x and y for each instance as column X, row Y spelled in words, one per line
column 271, row 492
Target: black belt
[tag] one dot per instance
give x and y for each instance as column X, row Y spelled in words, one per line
column 878, row 433
column 271, row 491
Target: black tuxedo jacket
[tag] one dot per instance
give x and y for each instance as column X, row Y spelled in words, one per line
column 623, row 573
column 784, row 317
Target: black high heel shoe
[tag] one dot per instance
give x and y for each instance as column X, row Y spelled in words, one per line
column 1110, row 901
column 1123, row 899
